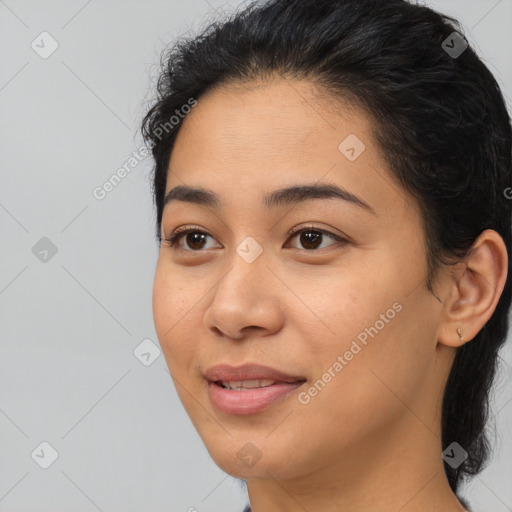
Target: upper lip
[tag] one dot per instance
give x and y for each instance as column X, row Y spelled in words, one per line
column 226, row 372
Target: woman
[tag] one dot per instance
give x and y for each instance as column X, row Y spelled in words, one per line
column 332, row 184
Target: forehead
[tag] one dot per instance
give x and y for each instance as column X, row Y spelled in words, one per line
column 242, row 140
column 267, row 118
column 282, row 125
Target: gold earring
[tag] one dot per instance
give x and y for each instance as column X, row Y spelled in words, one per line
column 461, row 335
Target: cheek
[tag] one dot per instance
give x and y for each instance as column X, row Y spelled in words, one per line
column 172, row 315
column 384, row 365
column 369, row 340
column 344, row 310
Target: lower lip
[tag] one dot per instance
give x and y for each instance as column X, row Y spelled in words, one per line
column 251, row 400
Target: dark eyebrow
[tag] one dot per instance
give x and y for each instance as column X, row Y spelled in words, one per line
column 288, row 195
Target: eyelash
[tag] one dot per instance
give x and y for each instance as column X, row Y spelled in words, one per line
column 175, row 237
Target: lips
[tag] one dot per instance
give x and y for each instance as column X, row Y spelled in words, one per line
column 249, row 389
column 249, row 372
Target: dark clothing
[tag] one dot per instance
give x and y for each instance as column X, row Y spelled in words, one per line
column 464, row 504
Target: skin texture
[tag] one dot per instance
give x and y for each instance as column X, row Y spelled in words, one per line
column 370, row 439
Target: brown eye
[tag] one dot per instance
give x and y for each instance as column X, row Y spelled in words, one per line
column 195, row 239
column 311, row 238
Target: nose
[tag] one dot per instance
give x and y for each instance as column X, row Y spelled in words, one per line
column 246, row 301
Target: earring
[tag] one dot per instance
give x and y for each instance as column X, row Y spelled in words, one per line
column 461, row 335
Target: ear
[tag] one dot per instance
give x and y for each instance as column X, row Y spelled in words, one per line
column 477, row 285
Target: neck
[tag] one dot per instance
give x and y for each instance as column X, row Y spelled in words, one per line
column 402, row 471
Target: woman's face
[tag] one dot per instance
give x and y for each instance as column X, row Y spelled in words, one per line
column 340, row 307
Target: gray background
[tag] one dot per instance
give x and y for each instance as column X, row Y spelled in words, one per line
column 70, row 323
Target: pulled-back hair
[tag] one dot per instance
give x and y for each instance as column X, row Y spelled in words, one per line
column 439, row 119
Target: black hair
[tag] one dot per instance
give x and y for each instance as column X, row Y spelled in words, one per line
column 439, row 118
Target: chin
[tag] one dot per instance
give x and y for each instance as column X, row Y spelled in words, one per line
column 251, row 456
column 239, row 464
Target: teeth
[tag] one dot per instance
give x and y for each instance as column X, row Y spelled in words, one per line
column 247, row 384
